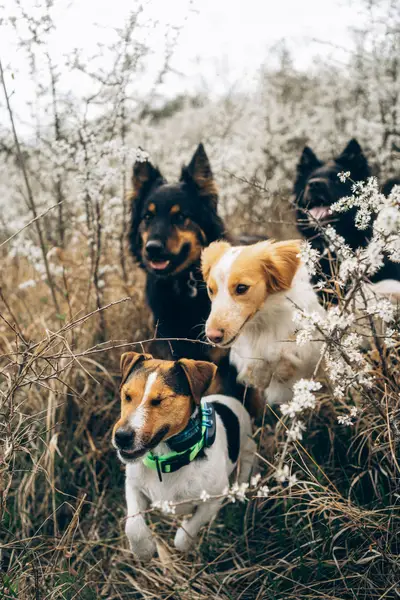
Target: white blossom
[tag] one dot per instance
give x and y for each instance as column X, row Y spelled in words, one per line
column 236, row 492
column 343, row 176
column 263, row 492
column 345, row 420
column 166, row 506
column 303, row 397
column 306, row 325
column 382, row 308
column 295, row 433
column 254, row 481
column 283, row 474
column 309, row 257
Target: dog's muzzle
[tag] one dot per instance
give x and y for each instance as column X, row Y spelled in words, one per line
column 124, row 438
column 156, row 255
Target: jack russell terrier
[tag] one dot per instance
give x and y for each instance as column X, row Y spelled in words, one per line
column 178, row 446
column 255, row 291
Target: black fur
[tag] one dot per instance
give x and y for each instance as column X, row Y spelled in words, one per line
column 389, row 185
column 318, row 185
column 178, row 298
column 232, row 428
column 177, row 380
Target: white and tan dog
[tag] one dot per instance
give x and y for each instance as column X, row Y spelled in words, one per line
column 255, row 291
column 178, row 446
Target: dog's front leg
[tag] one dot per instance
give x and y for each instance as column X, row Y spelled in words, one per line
column 287, row 366
column 256, row 372
column 186, row 536
column 139, row 535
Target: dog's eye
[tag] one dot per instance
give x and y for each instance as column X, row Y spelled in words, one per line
column 241, row 289
column 128, row 398
column 156, row 402
column 148, row 216
column 210, row 291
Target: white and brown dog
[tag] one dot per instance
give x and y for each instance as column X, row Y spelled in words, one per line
column 255, row 291
column 178, row 446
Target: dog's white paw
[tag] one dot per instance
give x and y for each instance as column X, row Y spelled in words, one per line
column 142, row 543
column 183, row 541
column 143, row 548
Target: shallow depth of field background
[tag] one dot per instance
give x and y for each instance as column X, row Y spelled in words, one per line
column 85, row 90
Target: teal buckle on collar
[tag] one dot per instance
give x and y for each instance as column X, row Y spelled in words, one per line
column 173, row 461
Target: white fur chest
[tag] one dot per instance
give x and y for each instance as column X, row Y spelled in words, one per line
column 266, row 353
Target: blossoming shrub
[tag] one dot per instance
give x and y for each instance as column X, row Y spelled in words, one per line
column 319, row 517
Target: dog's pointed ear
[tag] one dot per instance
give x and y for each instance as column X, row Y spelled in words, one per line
column 130, row 360
column 353, row 158
column 308, row 162
column 281, row 261
column 210, row 255
column 351, row 151
column 199, row 374
column 144, row 176
column 199, row 172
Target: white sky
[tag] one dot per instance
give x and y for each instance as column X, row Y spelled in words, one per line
column 222, row 41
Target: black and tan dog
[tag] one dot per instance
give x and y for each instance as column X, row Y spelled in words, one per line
column 317, row 187
column 171, row 224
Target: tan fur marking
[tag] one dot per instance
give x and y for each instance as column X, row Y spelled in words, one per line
column 207, row 186
column 176, row 242
column 276, row 261
column 175, row 209
column 281, row 263
column 152, row 208
column 211, row 255
column 145, row 236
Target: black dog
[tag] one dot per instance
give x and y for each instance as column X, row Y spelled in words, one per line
column 171, row 224
column 316, row 188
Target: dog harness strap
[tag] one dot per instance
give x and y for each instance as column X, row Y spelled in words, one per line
column 175, row 460
column 188, row 437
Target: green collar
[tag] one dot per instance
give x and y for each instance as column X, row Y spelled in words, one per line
column 175, row 460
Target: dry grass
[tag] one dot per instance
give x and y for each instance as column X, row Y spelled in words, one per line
column 332, row 536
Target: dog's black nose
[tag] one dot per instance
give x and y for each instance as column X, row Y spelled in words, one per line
column 154, row 249
column 124, row 438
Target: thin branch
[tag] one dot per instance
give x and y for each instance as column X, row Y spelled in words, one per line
column 28, row 224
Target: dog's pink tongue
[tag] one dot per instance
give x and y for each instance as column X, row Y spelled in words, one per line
column 160, row 265
column 319, row 212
